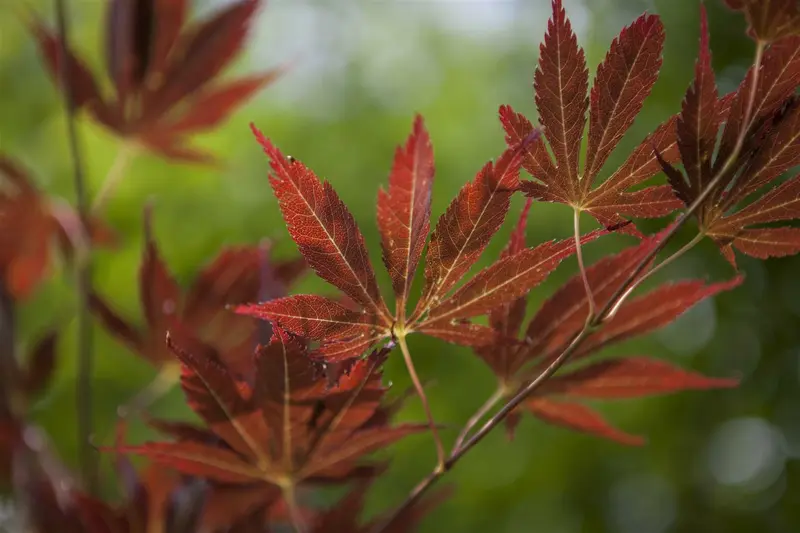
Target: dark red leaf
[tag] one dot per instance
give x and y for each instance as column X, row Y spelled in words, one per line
column 578, row 417
column 769, row 20
column 464, row 231
column 404, row 210
column 623, row 81
column 629, row 378
column 324, row 230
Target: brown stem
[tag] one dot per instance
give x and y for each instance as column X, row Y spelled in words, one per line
column 576, row 226
column 8, row 362
column 590, row 325
column 83, row 266
column 440, row 455
column 290, row 497
column 478, row 416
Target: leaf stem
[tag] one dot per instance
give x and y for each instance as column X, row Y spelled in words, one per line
column 685, row 248
column 83, row 266
column 116, row 173
column 290, row 497
column 440, row 455
column 576, row 223
column 168, row 375
column 590, row 325
column 478, row 416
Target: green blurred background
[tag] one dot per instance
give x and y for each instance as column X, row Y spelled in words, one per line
column 716, row 461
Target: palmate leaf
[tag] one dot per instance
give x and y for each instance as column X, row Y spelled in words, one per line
column 162, row 72
column 769, row 20
column 286, row 428
column 771, row 146
column 515, row 360
column 623, row 81
column 30, row 223
column 234, row 276
column 155, row 496
column 331, row 242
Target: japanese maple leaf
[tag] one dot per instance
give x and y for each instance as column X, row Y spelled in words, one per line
column 160, row 500
column 623, row 81
column 287, row 428
column 162, row 72
column 563, row 316
column 238, row 274
column 328, row 237
column 771, row 147
column 769, row 20
column 30, row 223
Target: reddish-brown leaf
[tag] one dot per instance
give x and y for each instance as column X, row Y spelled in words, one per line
column 770, row 146
column 560, row 319
column 464, row 230
column 162, row 72
column 506, row 280
column 578, row 417
column 698, row 122
column 83, row 86
column 288, row 427
column 623, row 81
column 563, row 315
column 629, row 378
column 233, row 277
column 778, row 80
column 200, row 54
column 651, row 311
column 404, row 210
column 224, row 403
column 211, row 107
column 561, row 84
column 769, row 20
column 324, row 230
column 313, row 317
column 464, row 334
column 30, row 223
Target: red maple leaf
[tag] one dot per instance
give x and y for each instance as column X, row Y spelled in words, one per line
column 328, row 237
column 769, row 20
column 162, row 72
column 238, row 274
column 623, row 81
column 286, row 428
column 30, row 223
column 563, row 316
column 771, row 146
column 156, row 496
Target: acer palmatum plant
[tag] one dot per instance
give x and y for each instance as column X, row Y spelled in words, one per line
column 289, row 389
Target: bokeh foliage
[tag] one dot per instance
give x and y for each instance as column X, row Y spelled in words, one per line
column 716, row 461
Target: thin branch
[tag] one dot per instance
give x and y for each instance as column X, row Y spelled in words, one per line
column 83, row 266
column 114, row 177
column 590, row 325
column 576, row 226
column 440, row 455
column 478, row 416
